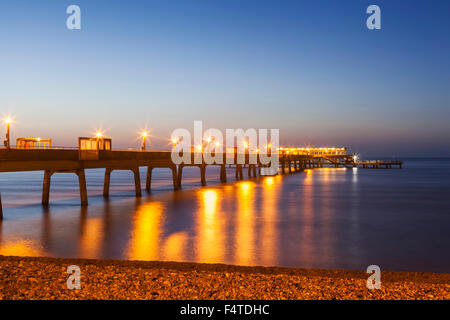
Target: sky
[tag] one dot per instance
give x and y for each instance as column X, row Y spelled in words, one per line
column 309, row 68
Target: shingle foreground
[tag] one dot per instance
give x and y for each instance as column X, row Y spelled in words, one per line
column 46, row 278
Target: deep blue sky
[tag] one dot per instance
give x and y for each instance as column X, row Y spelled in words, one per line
column 310, row 68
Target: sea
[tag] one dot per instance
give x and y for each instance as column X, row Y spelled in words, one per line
column 327, row 218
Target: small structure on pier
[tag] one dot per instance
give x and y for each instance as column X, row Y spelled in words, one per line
column 89, row 147
column 95, row 143
column 33, row 143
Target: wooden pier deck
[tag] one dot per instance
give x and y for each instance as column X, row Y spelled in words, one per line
column 53, row 161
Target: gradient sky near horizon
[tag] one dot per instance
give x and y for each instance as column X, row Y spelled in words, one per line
column 310, row 68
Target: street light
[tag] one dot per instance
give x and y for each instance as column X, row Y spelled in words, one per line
column 7, row 142
column 144, row 138
column 99, row 136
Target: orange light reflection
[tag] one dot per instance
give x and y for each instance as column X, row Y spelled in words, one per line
column 245, row 224
column 146, row 232
column 270, row 214
column 210, row 244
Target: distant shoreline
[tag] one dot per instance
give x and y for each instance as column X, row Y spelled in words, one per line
column 45, row 278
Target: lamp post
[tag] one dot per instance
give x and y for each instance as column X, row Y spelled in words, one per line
column 245, row 146
column 7, row 142
column 99, row 136
column 144, row 138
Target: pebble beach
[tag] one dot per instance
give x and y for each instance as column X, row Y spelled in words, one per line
column 40, row 278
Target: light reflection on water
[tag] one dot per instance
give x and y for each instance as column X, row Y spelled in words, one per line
column 210, row 221
column 21, row 248
column 322, row 218
column 145, row 236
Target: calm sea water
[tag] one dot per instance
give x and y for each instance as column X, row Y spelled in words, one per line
column 321, row 218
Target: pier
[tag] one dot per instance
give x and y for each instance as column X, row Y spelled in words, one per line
column 77, row 160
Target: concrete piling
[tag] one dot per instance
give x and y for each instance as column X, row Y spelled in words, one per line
column 83, row 188
column 148, row 182
column 107, row 182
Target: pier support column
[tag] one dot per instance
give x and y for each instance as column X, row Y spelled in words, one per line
column 137, row 182
column 83, row 190
column 249, row 173
column 203, row 174
column 46, row 187
column 223, row 173
column 180, row 175
column 81, row 182
column 148, row 184
column 107, row 183
column 175, row 178
column 239, row 174
column 254, row 171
